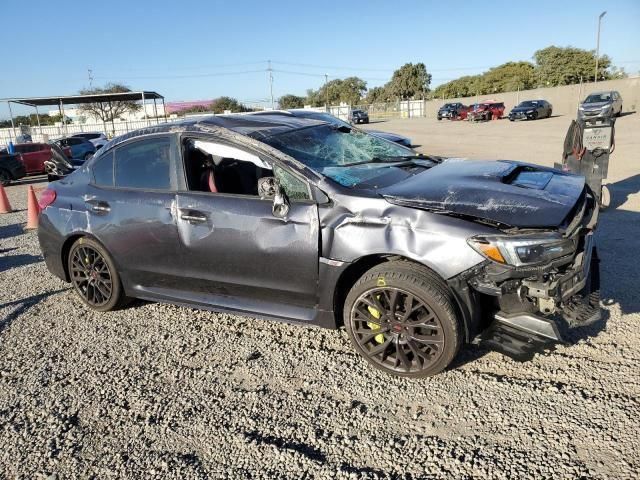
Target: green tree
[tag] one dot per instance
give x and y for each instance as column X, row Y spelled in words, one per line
column 466, row 86
column 567, row 65
column 108, row 111
column 510, row 76
column 291, row 101
column 409, row 82
column 377, row 95
column 221, row 104
column 349, row 90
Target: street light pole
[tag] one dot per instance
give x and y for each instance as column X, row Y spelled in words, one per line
column 598, row 45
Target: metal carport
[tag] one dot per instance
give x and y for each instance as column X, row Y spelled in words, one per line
column 61, row 101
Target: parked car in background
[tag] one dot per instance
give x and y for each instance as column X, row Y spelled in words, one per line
column 531, row 110
column 81, row 148
column 33, row 156
column 98, row 139
column 11, row 167
column 600, row 105
column 486, row 111
column 453, row 111
column 359, row 116
column 61, row 164
column 352, row 230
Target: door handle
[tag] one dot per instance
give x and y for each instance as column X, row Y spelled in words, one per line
column 97, row 206
column 193, row 216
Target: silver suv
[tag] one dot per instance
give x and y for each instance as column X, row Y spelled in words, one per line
column 599, row 105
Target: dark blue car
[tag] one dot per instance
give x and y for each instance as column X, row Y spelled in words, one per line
column 81, row 148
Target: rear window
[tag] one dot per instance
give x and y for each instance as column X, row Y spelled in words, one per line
column 144, row 164
column 103, row 170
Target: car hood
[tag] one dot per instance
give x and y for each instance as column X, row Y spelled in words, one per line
column 595, row 106
column 502, row 192
column 522, row 109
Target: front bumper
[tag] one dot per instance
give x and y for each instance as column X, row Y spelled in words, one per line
column 520, row 116
column 538, row 302
column 594, row 114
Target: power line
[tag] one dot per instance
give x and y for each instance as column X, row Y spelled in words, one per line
column 194, row 75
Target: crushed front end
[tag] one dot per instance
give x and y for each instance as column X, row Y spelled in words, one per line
column 536, row 300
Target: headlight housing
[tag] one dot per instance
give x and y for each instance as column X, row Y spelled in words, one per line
column 522, row 250
column 529, row 111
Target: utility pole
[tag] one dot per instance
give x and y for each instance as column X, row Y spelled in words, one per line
column 90, row 72
column 273, row 105
column 598, row 45
column 326, row 93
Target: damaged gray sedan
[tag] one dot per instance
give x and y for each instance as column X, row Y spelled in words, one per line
column 302, row 220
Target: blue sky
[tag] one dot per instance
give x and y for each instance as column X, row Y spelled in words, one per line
column 191, row 50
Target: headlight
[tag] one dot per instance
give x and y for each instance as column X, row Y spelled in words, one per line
column 529, row 111
column 606, row 107
column 522, row 250
column 580, row 107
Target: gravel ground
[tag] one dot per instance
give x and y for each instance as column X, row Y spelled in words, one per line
column 158, row 391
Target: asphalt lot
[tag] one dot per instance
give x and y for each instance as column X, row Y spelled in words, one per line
column 158, row 391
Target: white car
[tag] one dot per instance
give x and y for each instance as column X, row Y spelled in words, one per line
column 98, row 139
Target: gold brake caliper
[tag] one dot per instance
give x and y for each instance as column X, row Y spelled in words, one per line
column 375, row 313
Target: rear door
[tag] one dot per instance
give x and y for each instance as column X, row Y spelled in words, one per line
column 131, row 207
column 236, row 252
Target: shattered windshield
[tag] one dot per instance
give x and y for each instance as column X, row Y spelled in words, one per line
column 328, row 149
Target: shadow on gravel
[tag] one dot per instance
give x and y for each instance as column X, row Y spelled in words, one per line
column 618, row 246
column 624, row 114
column 12, row 230
column 13, row 261
column 302, row 448
column 23, row 304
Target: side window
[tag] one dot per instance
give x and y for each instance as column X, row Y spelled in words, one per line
column 295, row 188
column 103, row 170
column 144, row 164
column 219, row 168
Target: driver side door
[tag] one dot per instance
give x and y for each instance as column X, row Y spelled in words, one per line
column 236, row 254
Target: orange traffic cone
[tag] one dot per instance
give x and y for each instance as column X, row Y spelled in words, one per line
column 33, row 209
column 5, row 206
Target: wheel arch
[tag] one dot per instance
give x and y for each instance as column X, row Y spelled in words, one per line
column 357, row 268
column 66, row 248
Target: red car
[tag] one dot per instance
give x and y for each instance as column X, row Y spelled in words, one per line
column 485, row 111
column 35, row 154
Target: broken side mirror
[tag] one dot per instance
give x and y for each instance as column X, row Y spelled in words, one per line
column 269, row 187
column 280, row 206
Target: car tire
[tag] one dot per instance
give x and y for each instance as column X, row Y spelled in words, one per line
column 5, row 178
column 439, row 118
column 90, row 267
column 418, row 345
column 534, row 116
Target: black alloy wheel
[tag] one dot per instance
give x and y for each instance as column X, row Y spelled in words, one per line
column 397, row 330
column 94, row 276
column 401, row 318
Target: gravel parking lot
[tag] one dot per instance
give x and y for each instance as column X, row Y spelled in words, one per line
column 158, row 391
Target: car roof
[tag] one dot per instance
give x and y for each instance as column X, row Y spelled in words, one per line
column 258, row 126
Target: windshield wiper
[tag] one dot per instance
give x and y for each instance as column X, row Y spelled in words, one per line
column 394, row 159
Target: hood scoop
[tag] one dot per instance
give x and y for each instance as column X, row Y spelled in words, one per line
column 503, row 192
